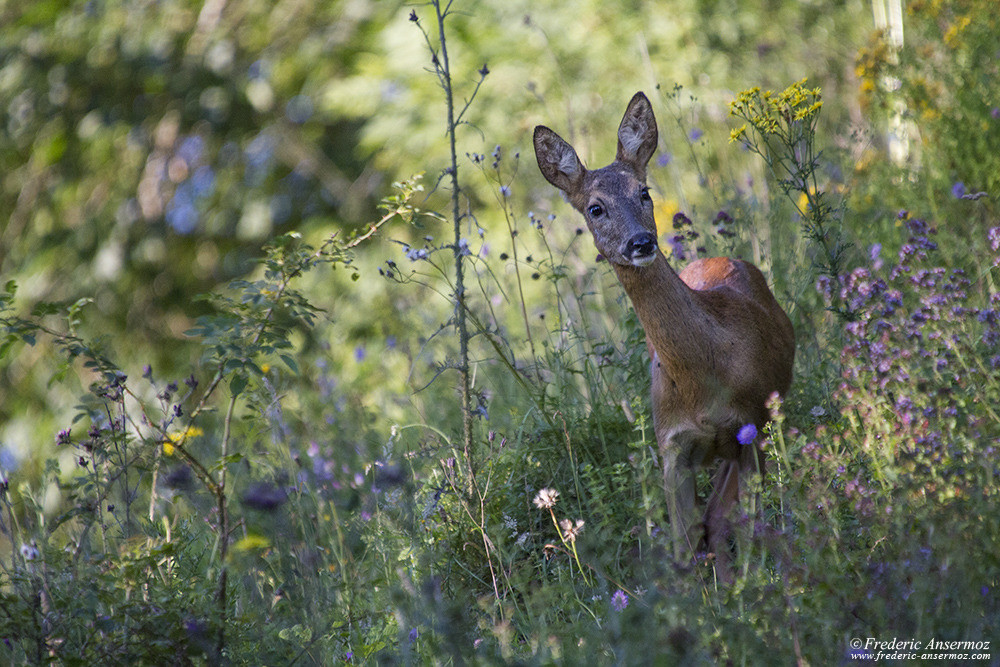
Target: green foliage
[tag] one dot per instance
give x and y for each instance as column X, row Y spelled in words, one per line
column 325, row 469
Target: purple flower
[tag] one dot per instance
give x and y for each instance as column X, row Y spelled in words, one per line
column 958, row 190
column 664, row 159
column 695, row 134
column 677, row 247
column 747, row 434
column 680, row 220
column 619, row 600
column 360, row 353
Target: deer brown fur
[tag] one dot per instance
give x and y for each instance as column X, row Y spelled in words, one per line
column 719, row 343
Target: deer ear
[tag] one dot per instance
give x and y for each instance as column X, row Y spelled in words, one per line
column 558, row 161
column 637, row 134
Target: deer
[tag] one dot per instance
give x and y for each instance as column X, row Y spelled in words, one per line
column 719, row 343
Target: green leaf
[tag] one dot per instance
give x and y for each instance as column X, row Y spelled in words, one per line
column 224, row 461
column 237, row 385
column 292, row 366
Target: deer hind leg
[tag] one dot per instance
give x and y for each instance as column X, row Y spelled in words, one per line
column 725, row 496
column 718, row 528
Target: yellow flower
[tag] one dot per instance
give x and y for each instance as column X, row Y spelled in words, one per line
column 176, row 437
column 663, row 212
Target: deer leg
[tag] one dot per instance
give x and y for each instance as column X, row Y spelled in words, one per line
column 718, row 529
column 679, row 485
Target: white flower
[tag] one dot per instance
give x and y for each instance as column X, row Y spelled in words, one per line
column 29, row 551
column 571, row 529
column 546, row 498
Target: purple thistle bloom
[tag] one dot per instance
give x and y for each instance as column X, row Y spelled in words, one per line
column 619, row 601
column 747, row 434
column 958, row 190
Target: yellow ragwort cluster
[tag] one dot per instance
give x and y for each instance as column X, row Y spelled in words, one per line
column 768, row 112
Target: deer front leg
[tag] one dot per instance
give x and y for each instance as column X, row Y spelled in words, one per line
column 679, row 485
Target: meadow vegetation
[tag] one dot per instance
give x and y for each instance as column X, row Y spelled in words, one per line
column 302, row 362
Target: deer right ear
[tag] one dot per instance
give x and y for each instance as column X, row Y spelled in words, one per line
column 557, row 160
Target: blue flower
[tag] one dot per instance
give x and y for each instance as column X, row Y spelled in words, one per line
column 958, row 190
column 747, row 434
column 664, row 159
column 695, row 134
column 619, row 600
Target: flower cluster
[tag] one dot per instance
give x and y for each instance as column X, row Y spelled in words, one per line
column 567, row 529
column 921, row 347
column 772, row 113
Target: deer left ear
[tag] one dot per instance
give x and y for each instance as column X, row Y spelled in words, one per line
column 637, row 134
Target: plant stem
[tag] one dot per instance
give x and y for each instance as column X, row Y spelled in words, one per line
column 465, row 386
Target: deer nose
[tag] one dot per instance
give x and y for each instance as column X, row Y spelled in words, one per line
column 640, row 246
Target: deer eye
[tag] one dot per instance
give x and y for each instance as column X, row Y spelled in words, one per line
column 595, row 210
column 644, row 195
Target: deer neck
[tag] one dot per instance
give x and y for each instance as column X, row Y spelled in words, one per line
column 677, row 327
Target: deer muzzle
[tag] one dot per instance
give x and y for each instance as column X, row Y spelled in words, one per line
column 640, row 250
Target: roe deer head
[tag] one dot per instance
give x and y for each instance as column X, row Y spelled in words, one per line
column 718, row 341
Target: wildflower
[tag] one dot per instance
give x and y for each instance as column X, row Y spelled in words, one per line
column 414, row 254
column 619, row 600
column 723, row 218
column 29, row 551
column 874, row 253
column 484, row 70
column 695, row 134
column 546, row 498
column 747, row 434
column 664, row 159
column 505, row 191
column 958, row 189
column 571, row 529
column 463, row 247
